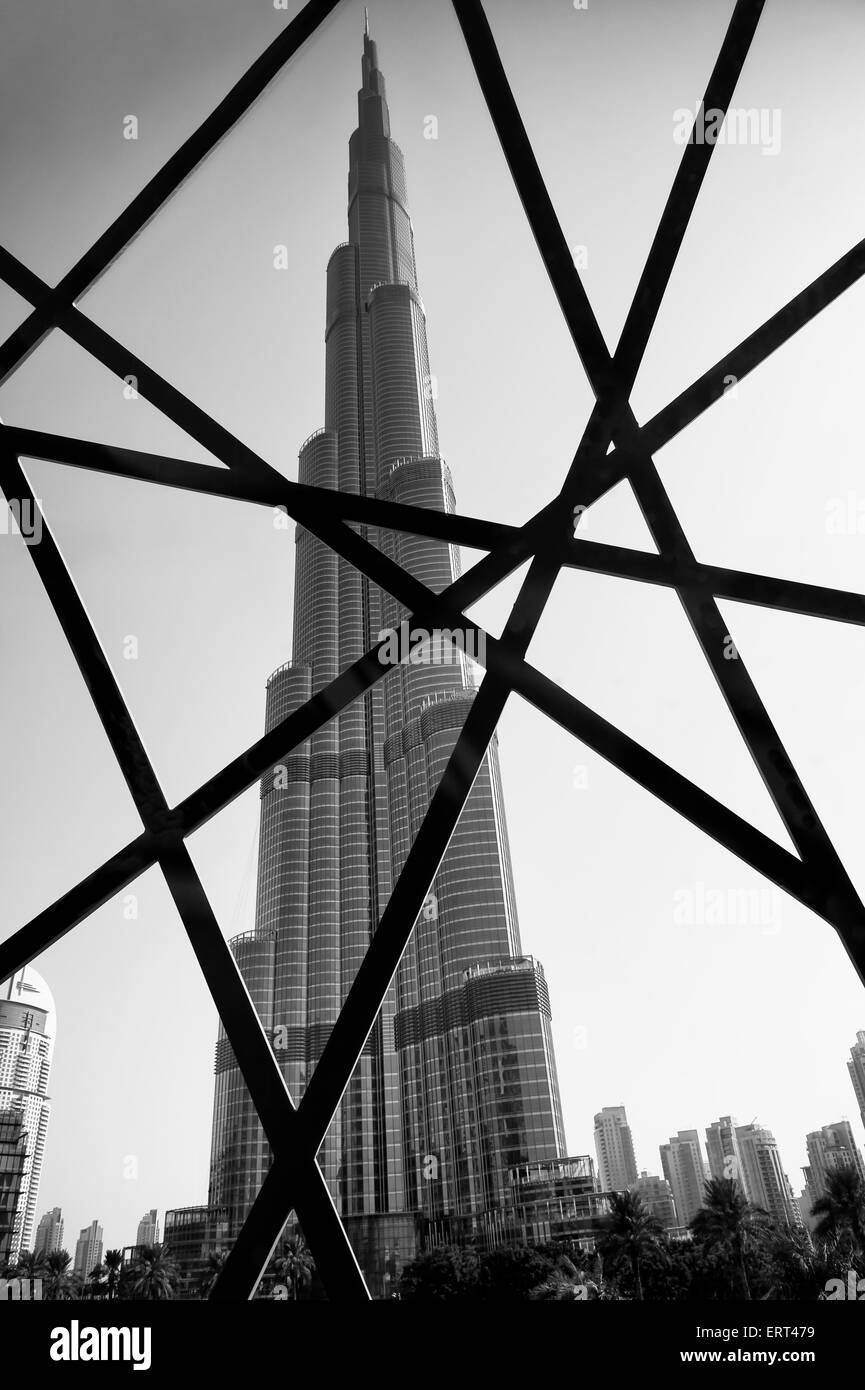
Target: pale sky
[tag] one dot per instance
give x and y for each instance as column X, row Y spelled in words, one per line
column 680, row 1023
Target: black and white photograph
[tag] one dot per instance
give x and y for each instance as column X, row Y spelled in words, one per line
column 432, row 682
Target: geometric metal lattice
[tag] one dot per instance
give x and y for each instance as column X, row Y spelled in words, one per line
column 816, row 877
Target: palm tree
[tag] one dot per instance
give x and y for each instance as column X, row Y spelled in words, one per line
column 799, row 1272
column 155, row 1274
column 725, row 1221
column 841, row 1210
column 28, row 1265
column 59, row 1283
column 567, row 1282
column 295, row 1265
column 113, row 1265
column 215, row 1261
column 97, row 1281
column 631, row 1230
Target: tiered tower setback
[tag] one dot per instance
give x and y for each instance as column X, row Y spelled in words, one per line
column 457, row 1082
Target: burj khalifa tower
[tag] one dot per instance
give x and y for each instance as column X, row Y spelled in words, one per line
column 457, row 1082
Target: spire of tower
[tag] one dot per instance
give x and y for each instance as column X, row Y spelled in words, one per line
column 370, row 52
column 372, row 84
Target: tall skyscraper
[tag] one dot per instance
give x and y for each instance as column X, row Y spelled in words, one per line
column 856, row 1068
column 722, row 1148
column 49, row 1233
column 686, row 1172
column 617, row 1167
column 148, row 1229
column 27, row 1027
column 657, row 1197
column 766, row 1184
column 457, row 1083
column 829, row 1149
column 88, row 1250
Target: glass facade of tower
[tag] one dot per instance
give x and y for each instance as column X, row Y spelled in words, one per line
column 457, row 1083
column 556, row 1200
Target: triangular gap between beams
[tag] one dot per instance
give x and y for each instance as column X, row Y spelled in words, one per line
column 63, row 389
column 615, row 519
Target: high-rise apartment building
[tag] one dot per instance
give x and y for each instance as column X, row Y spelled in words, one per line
column 457, row 1083
column 148, row 1229
column 13, row 1157
column 831, row 1148
column 657, row 1197
column 766, row 1184
column 49, row 1233
column 722, row 1149
column 27, row 1028
column 617, row 1167
column 685, row 1170
column 88, row 1250
column 856, row 1068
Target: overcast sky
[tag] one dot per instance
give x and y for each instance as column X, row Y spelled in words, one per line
column 680, row 1023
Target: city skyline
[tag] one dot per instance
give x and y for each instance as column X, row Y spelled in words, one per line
column 760, row 1170
column 598, row 1068
column 646, row 1182
column 748, row 1153
column 832, row 1146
